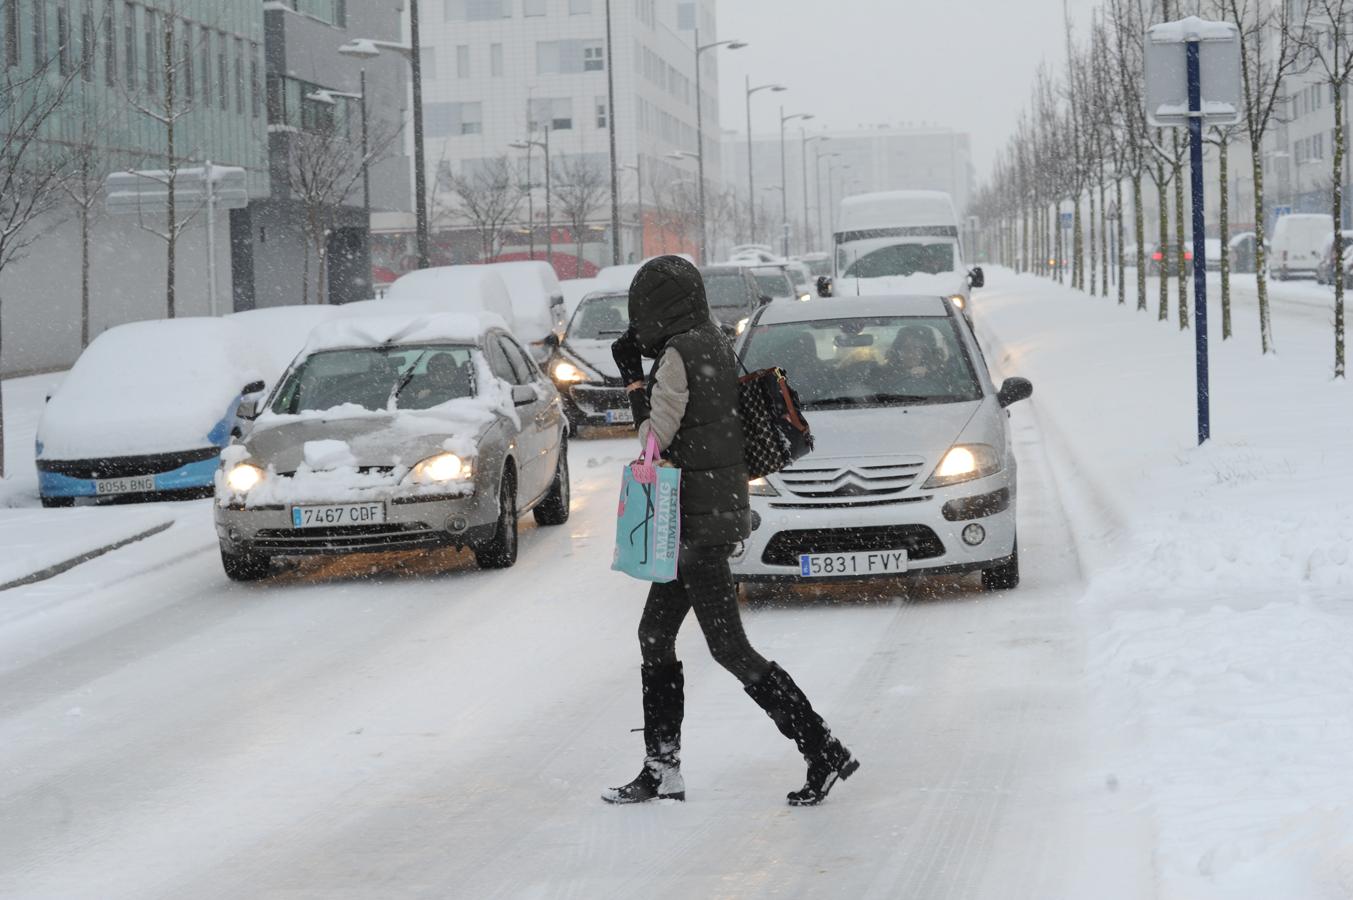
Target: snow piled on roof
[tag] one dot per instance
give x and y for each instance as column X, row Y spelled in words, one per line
column 532, row 286
column 150, row 387
column 456, row 289
column 575, row 289
column 896, row 209
column 1192, row 28
column 280, row 332
column 414, row 326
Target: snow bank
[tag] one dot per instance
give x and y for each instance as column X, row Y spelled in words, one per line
column 150, row 387
column 1219, row 577
column 36, row 539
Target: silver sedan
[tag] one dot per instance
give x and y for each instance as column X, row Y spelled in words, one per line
column 395, row 434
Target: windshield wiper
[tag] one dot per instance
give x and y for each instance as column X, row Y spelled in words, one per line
column 407, row 376
column 871, row 399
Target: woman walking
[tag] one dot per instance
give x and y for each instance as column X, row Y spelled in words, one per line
column 690, row 406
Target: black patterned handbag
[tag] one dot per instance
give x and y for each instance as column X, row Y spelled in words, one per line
column 775, row 433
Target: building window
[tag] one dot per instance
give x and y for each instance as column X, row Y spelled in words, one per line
column 334, row 12
column 569, row 57
column 63, row 58
column 206, row 66
column 189, row 78
column 239, row 77
column 444, row 119
column 685, row 16
column 601, row 112
column 255, row 82
column 11, row 32
column 110, row 46
column 129, row 44
column 39, row 33
column 463, row 61
column 89, row 44
column 476, row 10
column 152, row 56
column 553, row 112
column 427, row 57
column 496, row 60
column 579, row 7
column 223, row 70
column 533, row 7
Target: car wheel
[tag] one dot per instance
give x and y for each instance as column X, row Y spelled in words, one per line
column 553, row 510
column 245, row 566
column 1004, row 577
column 57, row 502
column 500, row 551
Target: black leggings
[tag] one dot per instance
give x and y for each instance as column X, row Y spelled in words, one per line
column 704, row 583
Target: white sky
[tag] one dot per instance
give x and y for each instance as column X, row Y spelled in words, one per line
column 967, row 64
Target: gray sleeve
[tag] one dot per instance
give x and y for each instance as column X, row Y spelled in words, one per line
column 671, row 393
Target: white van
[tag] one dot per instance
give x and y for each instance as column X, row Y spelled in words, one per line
column 1297, row 242
column 902, row 242
column 537, row 303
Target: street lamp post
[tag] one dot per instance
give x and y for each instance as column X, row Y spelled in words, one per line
column 549, row 221
column 700, row 132
column 803, row 134
column 831, row 193
column 751, row 185
column 367, row 48
column 784, row 196
column 638, row 170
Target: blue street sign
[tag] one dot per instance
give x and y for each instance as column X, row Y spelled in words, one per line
column 1068, row 220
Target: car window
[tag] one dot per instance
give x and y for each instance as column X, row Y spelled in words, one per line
column 857, row 362
column 524, row 371
column 598, row 318
column 377, row 378
column 726, row 290
column 773, row 283
column 498, row 363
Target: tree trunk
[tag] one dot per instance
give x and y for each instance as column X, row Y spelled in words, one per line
column 1163, row 243
column 1104, row 235
column 1077, row 245
column 84, row 248
column 305, row 274
column 1180, row 241
column 1224, row 214
column 1139, row 232
column 2, row 390
column 171, row 220
column 1094, row 259
column 1260, row 258
column 1024, row 238
column 1118, row 229
column 1338, row 163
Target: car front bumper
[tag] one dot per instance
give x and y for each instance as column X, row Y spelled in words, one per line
column 933, row 540
column 426, row 522
column 588, row 404
column 184, row 475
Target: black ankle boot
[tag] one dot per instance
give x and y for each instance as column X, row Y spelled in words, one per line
column 789, row 709
column 664, row 708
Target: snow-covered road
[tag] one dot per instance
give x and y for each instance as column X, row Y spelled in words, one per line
column 339, row 732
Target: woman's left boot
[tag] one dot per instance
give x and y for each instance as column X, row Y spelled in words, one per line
column 788, row 707
column 664, row 707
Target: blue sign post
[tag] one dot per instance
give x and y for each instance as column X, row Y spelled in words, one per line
column 1192, row 69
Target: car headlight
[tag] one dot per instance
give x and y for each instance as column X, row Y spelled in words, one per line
column 805, row 297
column 244, row 477
column 440, row 469
column 568, row 373
column 958, row 300
column 760, row 487
column 965, row 462
column 741, row 326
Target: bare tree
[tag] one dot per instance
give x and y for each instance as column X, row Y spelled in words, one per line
column 324, row 165
column 1264, row 70
column 1326, row 41
column 90, row 164
column 580, row 184
column 488, row 198
column 1222, row 138
column 32, row 171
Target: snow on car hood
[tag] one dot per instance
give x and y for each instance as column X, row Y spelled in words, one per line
column 595, row 353
column 944, row 284
column 921, row 430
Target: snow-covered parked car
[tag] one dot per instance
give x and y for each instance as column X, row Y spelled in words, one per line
column 396, row 432
column 913, row 470
column 146, row 411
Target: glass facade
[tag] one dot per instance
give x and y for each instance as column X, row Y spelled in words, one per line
column 138, row 48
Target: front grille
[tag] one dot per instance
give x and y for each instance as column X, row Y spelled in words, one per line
column 387, row 536
column 596, row 401
column 880, row 481
column 126, row 466
column 785, row 547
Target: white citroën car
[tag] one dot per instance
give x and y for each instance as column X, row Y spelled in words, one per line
column 913, row 469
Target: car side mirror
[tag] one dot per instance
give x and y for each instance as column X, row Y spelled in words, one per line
column 552, row 341
column 1014, row 390
column 977, row 278
column 254, row 387
column 824, row 286
column 763, row 299
column 524, row 394
column 247, row 411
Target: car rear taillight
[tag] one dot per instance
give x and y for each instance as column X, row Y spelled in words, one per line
column 1156, row 257
column 1188, row 254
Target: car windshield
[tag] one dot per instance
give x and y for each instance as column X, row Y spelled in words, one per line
column 796, row 276
column 601, row 317
column 854, row 362
column 773, row 283
column 903, row 259
column 378, row 378
column 726, row 290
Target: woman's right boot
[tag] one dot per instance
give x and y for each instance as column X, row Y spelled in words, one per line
column 664, row 691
